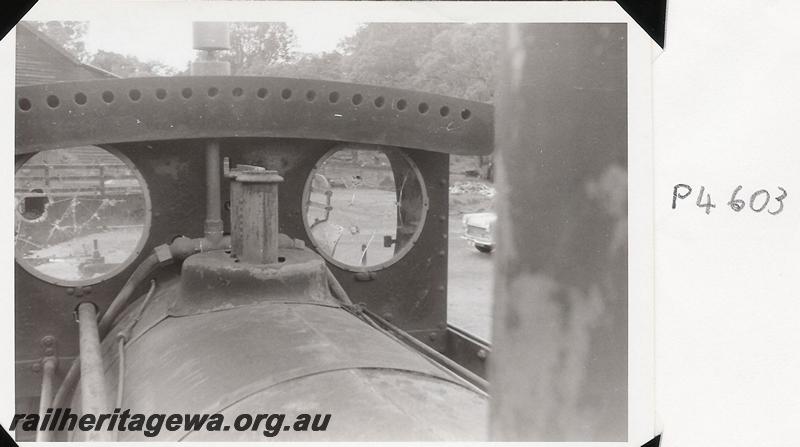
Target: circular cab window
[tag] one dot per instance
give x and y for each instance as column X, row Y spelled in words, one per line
column 82, row 215
column 364, row 209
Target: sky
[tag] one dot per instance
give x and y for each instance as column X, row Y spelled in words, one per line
column 170, row 42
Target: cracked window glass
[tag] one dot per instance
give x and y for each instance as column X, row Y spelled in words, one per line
column 364, row 208
column 81, row 215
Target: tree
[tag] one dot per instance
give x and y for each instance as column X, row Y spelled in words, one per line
column 68, row 34
column 129, row 66
column 450, row 59
column 461, row 62
column 453, row 59
column 326, row 66
column 256, row 45
column 387, row 53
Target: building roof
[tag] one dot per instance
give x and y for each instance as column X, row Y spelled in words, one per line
column 40, row 60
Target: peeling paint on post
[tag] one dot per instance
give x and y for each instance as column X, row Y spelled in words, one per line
column 257, row 207
column 558, row 368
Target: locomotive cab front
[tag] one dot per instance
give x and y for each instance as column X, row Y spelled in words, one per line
column 242, row 245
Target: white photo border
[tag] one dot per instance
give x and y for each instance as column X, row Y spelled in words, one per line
column 641, row 53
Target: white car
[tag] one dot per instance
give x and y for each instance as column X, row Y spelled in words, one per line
column 479, row 230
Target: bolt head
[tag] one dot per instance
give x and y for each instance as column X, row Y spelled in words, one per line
column 48, row 341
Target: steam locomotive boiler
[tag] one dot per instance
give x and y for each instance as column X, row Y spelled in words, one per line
column 287, row 253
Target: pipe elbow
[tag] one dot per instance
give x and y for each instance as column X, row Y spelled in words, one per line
column 183, row 247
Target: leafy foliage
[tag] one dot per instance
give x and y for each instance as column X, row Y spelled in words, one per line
column 453, row 59
column 69, row 34
column 129, row 66
column 256, row 44
column 461, row 62
column 450, row 59
column 447, row 58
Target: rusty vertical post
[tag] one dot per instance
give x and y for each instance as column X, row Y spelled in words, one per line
column 94, row 395
column 257, row 210
column 237, row 210
column 558, row 369
column 237, row 207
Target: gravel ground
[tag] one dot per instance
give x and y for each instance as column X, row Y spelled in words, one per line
column 470, row 280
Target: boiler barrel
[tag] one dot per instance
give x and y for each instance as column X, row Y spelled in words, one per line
column 289, row 356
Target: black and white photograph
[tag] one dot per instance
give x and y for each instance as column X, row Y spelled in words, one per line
column 247, row 226
column 541, row 222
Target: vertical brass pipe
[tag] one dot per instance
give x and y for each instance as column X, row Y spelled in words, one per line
column 46, row 399
column 210, row 37
column 94, row 395
column 558, row 369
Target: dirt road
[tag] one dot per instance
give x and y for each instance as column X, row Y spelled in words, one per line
column 470, row 282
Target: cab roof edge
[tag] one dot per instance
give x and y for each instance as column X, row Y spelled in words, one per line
column 146, row 109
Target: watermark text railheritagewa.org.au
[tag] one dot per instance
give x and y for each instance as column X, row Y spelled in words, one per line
column 151, row 425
